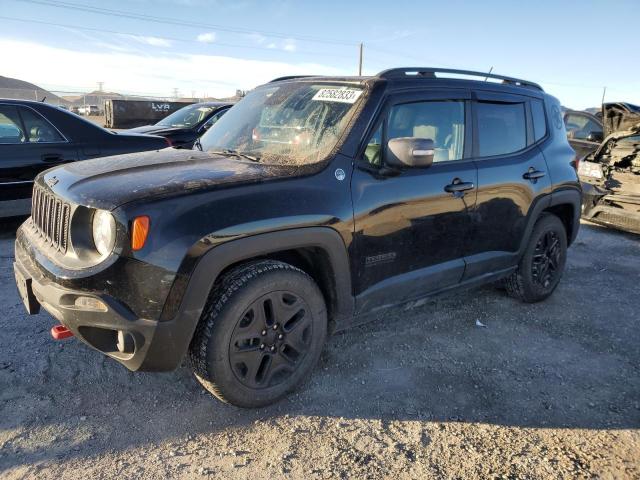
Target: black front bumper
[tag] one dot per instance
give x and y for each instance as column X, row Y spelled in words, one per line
column 145, row 344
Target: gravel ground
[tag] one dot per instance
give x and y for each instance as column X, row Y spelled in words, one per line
column 543, row 391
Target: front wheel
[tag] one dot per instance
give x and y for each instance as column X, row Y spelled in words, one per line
column 260, row 335
column 542, row 264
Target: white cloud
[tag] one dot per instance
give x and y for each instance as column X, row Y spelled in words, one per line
column 153, row 41
column 143, row 73
column 289, row 45
column 208, row 37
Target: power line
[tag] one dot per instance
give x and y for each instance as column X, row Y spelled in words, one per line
column 184, row 23
column 173, row 39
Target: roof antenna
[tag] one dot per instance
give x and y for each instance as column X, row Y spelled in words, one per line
column 489, row 73
column 43, row 99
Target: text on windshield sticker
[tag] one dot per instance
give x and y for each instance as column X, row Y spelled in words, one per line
column 342, row 95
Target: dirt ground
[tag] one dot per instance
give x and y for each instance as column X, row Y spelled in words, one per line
column 550, row 390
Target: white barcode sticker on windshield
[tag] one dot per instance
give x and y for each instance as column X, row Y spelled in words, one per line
column 342, row 95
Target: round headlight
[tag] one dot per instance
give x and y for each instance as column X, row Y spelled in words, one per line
column 104, row 232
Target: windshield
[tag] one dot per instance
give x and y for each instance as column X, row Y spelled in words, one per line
column 189, row 116
column 294, row 123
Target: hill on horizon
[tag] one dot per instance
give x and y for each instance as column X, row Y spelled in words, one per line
column 21, row 90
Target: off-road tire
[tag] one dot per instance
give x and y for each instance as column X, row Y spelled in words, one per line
column 522, row 284
column 211, row 347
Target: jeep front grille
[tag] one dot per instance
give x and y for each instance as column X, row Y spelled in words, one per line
column 50, row 217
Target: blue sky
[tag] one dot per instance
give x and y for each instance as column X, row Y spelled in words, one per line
column 218, row 46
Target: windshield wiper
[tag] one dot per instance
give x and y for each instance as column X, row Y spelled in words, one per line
column 235, row 153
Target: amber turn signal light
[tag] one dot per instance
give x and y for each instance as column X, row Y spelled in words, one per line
column 139, row 232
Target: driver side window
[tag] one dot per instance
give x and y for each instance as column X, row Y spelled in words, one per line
column 373, row 152
column 440, row 121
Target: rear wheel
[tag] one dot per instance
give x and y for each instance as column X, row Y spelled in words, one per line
column 542, row 264
column 260, row 335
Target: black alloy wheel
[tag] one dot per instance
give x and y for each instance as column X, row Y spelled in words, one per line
column 546, row 259
column 270, row 340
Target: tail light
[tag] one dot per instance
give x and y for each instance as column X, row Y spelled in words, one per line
column 139, row 232
column 576, row 163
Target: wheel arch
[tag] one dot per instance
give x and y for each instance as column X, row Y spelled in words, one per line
column 319, row 251
column 567, row 205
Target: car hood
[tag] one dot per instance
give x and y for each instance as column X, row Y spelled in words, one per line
column 109, row 182
column 609, row 143
column 155, row 129
column 619, row 117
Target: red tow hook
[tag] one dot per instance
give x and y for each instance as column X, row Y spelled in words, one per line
column 60, row 332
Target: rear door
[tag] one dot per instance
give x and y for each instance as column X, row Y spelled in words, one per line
column 512, row 176
column 410, row 232
column 29, row 144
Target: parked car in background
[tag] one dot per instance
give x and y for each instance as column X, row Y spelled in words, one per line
column 584, row 131
column 35, row 136
column 89, row 110
column 610, row 176
column 184, row 126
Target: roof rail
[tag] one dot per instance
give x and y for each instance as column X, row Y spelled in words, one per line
column 290, row 77
column 431, row 73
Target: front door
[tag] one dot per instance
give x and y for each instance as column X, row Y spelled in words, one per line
column 411, row 225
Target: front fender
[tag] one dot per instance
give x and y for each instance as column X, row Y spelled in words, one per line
column 188, row 296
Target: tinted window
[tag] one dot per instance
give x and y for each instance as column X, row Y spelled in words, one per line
column 215, row 118
column 38, row 129
column 580, row 126
column 10, row 126
column 501, row 128
column 372, row 154
column 442, row 122
column 539, row 123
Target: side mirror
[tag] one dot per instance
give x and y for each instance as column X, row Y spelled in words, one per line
column 410, row 152
column 595, row 137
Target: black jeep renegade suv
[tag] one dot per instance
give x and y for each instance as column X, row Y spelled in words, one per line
column 315, row 200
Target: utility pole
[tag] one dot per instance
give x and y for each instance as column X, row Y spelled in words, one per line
column 360, row 62
column 100, row 85
column 175, row 93
column 604, row 91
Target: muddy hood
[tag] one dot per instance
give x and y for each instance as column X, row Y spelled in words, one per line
column 109, row 182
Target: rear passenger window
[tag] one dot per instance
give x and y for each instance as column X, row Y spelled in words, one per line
column 38, row 129
column 442, row 122
column 501, row 128
column 539, row 122
column 10, row 126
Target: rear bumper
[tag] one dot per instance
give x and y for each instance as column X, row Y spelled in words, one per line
column 145, row 344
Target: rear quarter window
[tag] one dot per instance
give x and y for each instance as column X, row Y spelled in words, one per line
column 539, row 120
column 501, row 128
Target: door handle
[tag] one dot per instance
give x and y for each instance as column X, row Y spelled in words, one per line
column 458, row 186
column 52, row 157
column 533, row 174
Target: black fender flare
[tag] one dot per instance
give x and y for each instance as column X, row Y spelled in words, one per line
column 573, row 198
column 173, row 335
column 570, row 196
